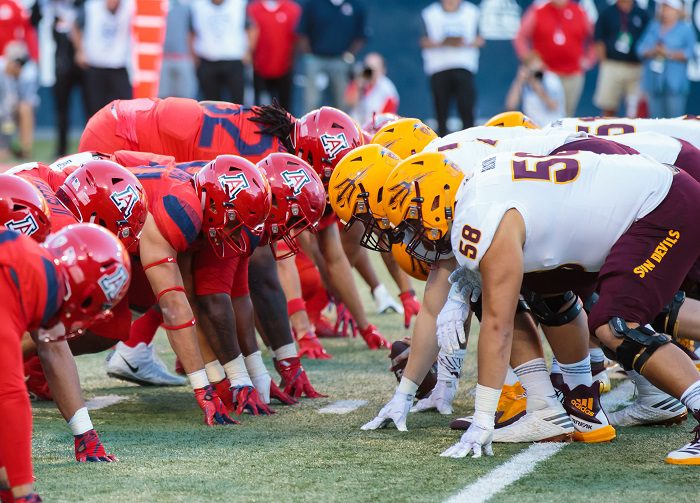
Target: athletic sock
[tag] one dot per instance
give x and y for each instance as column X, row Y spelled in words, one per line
column 691, row 397
column 80, row 422
column 198, row 379
column 511, row 378
column 597, row 355
column 555, row 366
column 286, row 351
column 534, row 377
column 144, row 329
column 237, row 373
column 577, row 373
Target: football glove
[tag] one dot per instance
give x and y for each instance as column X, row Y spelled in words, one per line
column 6, row 496
column 88, row 449
column 344, row 321
column 295, row 382
column 373, row 338
column 29, row 498
column 396, row 410
column 476, row 439
column 246, row 398
column 281, row 396
column 450, row 325
column 411, row 306
column 311, row 347
column 439, row 399
column 212, row 406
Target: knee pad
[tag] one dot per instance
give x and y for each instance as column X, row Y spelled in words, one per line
column 667, row 320
column 590, row 301
column 638, row 344
column 546, row 310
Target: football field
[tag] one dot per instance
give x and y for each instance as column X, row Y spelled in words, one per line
column 316, row 452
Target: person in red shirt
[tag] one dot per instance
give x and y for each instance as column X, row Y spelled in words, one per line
column 272, row 38
column 15, row 25
column 55, row 290
column 560, row 32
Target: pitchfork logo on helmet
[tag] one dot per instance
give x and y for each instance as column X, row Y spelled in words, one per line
column 113, row 284
column 125, row 200
column 27, row 225
column 402, row 190
column 234, row 184
column 296, row 179
column 334, row 144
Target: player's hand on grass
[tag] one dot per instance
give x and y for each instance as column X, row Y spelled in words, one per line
column 374, row 338
column 344, row 321
column 395, row 411
column 281, row 396
column 212, row 406
column 476, row 439
column 246, row 399
column 440, row 398
column 311, row 348
column 294, row 379
column 89, row 449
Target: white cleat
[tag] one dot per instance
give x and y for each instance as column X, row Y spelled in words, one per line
column 385, row 302
column 689, row 454
column 650, row 410
column 140, row 365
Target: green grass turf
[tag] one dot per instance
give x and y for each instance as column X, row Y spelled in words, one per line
column 300, row 455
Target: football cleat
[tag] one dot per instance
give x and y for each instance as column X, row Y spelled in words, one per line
column 324, row 328
column 600, row 374
column 140, row 365
column 89, row 449
column 34, row 378
column 310, row 347
column 689, row 454
column 511, row 406
column 583, row 405
column 653, row 407
column 384, row 301
column 373, row 338
column 295, row 382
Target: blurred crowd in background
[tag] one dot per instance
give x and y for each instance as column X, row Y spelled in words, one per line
column 216, row 49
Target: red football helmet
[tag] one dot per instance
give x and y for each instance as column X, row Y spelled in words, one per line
column 96, row 270
column 379, row 121
column 23, row 208
column 298, row 199
column 322, row 137
column 234, row 194
column 105, row 193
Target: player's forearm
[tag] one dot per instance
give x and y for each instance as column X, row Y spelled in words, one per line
column 62, row 376
column 494, row 353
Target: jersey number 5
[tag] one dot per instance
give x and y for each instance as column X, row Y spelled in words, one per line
column 470, row 238
column 548, row 169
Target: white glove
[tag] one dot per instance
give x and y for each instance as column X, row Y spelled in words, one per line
column 396, row 410
column 474, row 440
column 450, row 325
column 440, row 398
column 466, row 283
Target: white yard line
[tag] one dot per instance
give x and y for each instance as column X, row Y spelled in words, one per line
column 525, row 462
column 342, row 407
column 100, row 402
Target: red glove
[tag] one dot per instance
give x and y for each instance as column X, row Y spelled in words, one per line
column 343, row 321
column 88, row 448
column 311, row 347
column 294, row 379
column 246, row 398
column 411, row 306
column 6, row 496
column 29, row 498
column 280, row 395
column 324, row 327
column 213, row 407
column 373, row 338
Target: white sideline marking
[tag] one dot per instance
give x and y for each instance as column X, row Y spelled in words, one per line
column 499, row 478
column 521, row 464
column 342, row 407
column 100, row 402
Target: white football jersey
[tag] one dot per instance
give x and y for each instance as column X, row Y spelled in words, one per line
column 685, row 129
column 657, row 146
column 467, row 154
column 575, row 206
column 490, row 132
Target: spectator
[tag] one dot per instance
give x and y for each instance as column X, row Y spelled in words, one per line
column 617, row 32
column 19, row 83
column 102, row 39
column 62, row 15
column 15, row 25
column 665, row 47
column 177, row 76
column 220, row 46
column 559, row 31
column 331, row 32
column 372, row 92
column 450, row 45
column 272, row 33
column 538, row 92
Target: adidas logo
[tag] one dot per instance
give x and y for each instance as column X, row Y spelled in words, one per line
column 584, row 405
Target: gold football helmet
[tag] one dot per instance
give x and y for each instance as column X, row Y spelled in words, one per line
column 404, row 137
column 512, row 119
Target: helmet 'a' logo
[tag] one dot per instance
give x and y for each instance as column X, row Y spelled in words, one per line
column 125, row 200
column 27, row 225
column 334, row 144
column 234, row 184
column 112, row 284
column 296, row 179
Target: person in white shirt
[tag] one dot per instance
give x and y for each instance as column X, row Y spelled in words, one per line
column 450, row 45
column 219, row 44
column 372, row 92
column 102, row 39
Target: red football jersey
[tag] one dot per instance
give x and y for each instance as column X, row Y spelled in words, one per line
column 180, row 127
column 37, row 282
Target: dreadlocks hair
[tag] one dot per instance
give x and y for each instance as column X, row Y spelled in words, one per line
column 275, row 121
